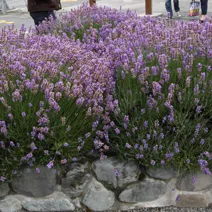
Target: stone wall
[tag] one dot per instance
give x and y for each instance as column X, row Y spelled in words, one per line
column 108, row 184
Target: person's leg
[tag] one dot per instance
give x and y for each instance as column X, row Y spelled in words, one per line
column 168, row 5
column 176, row 6
column 51, row 14
column 204, row 8
column 38, row 17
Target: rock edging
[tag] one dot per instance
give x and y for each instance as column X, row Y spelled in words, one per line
column 105, row 185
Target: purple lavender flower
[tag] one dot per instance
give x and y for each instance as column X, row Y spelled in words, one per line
column 188, row 161
column 65, row 144
column 32, row 146
column 23, row 114
column 41, row 104
column 169, row 155
column 155, row 148
column 112, row 124
column 37, row 170
column 33, row 134
column 146, row 146
column 196, row 89
column 117, row 131
column 139, row 156
column 163, row 162
column 198, row 109
column 50, row 164
column 87, row 135
column 10, row 116
column 2, row 178
column 162, row 136
column 122, row 74
column 57, row 153
column 205, row 129
column 116, row 172
column 154, row 70
column 41, row 136
column 197, row 129
column 203, row 76
column 194, row 180
column 12, row 144
column 143, row 111
column 202, row 141
column 136, row 146
column 126, row 119
column 148, row 136
column 128, row 146
column 153, row 162
column 206, row 170
column 178, row 198
column 202, row 163
column 74, row 159
column 146, row 124
column 156, row 88
column 128, row 134
column 64, row 161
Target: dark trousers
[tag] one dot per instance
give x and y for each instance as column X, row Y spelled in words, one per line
column 204, row 6
column 38, row 17
column 168, row 5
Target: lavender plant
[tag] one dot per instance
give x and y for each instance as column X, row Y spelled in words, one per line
column 102, row 79
column 45, row 107
column 164, row 125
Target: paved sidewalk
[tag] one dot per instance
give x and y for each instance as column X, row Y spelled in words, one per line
column 134, row 5
column 139, row 5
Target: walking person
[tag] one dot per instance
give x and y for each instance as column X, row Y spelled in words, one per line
column 41, row 10
column 168, row 5
column 204, row 8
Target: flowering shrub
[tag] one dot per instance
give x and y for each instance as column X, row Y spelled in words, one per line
column 48, row 109
column 86, row 21
column 99, row 78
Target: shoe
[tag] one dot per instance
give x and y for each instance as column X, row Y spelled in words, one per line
column 202, row 19
column 178, row 14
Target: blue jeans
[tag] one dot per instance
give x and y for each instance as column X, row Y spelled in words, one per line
column 38, row 17
column 168, row 5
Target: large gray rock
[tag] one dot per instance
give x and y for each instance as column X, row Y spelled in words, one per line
column 162, row 173
column 192, row 201
column 97, row 197
column 203, row 182
column 10, row 204
column 76, row 180
column 116, row 173
column 145, row 191
column 4, row 190
column 32, row 184
column 57, row 202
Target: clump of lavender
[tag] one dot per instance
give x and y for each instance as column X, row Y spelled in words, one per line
column 99, row 78
column 45, row 102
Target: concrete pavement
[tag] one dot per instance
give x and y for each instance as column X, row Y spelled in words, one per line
column 136, row 5
column 19, row 15
column 139, row 5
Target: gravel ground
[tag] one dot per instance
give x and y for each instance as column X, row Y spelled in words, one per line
column 167, row 209
column 173, row 209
